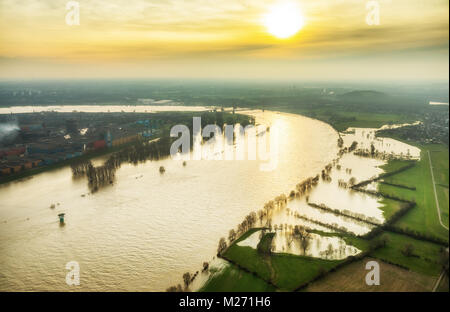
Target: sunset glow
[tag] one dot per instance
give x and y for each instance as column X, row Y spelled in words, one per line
column 284, row 20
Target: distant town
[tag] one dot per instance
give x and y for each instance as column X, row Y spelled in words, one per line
column 40, row 139
column 433, row 129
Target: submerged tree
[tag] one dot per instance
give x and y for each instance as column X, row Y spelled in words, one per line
column 187, row 279
column 353, row 146
column 222, row 246
column 232, row 235
column 352, row 181
column 340, row 142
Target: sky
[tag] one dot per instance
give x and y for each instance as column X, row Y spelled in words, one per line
column 224, row 39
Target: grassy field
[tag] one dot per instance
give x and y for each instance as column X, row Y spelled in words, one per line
column 422, row 218
column 400, row 192
column 440, row 161
column 292, row 271
column 231, row 278
column 425, row 259
column 392, row 279
column 442, row 193
column 439, row 158
column 396, row 164
column 390, row 207
column 370, row 120
column 341, row 120
column 285, row 271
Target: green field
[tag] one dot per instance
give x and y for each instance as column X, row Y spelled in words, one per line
column 369, row 120
column 341, row 120
column 423, row 218
column 425, row 259
column 397, row 164
column 285, row 271
column 390, row 207
column 440, row 161
column 231, row 278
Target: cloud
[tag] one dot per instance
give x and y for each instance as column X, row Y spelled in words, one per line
column 146, row 31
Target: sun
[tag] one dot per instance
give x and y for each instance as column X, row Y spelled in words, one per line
column 284, row 20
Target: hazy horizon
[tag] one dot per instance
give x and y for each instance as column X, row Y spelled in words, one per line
column 205, row 39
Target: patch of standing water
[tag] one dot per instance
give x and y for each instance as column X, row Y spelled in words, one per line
column 324, row 247
column 334, row 196
column 215, row 265
column 251, row 241
column 367, row 136
column 300, row 207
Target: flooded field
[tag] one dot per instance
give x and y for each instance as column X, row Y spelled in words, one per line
column 367, row 136
column 325, row 247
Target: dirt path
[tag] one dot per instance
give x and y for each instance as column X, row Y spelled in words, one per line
column 438, row 281
column 435, row 193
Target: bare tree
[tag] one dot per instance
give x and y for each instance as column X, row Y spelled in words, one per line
column 187, row 279
column 232, row 235
column 222, row 246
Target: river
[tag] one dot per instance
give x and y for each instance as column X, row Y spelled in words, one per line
column 146, row 230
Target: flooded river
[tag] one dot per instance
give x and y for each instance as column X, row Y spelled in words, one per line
column 146, row 230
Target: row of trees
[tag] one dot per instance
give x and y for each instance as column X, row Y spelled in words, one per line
column 188, row 279
column 80, row 168
column 347, row 213
column 141, row 151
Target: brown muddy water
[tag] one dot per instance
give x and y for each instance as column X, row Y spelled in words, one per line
column 144, row 231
